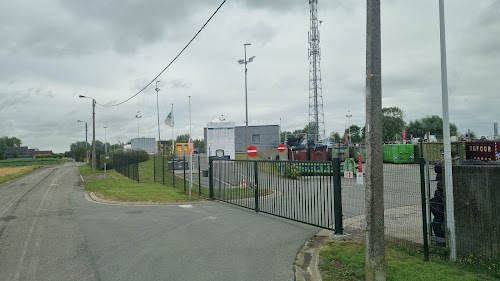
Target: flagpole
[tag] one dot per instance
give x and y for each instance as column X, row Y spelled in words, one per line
column 173, row 141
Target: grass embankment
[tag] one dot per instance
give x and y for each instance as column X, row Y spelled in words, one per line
column 345, row 260
column 120, row 188
column 10, row 173
column 15, row 168
column 30, row 162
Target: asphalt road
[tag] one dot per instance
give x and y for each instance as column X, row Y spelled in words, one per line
column 40, row 238
column 49, row 231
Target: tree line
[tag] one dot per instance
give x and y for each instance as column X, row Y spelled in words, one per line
column 392, row 128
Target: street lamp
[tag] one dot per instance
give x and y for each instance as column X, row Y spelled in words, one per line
column 93, row 130
column 86, row 149
column 158, row 112
column 349, row 115
column 138, row 117
column 245, row 61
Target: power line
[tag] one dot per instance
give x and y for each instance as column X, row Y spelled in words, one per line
column 175, row 58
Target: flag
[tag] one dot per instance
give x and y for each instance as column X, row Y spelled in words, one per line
column 170, row 119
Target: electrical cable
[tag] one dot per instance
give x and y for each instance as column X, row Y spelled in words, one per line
column 175, row 58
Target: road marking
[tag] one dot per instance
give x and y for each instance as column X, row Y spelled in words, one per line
column 186, row 206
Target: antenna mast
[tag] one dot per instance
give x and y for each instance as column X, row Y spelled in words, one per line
column 316, row 123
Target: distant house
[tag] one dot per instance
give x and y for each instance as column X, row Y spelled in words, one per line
column 24, row 152
column 43, row 153
column 18, row 152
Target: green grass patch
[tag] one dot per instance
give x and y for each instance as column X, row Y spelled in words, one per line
column 10, row 173
column 119, row 188
column 345, row 260
column 30, row 162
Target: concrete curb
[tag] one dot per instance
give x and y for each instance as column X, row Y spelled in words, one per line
column 92, row 197
column 306, row 264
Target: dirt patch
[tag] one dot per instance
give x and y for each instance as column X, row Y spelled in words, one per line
column 4, row 171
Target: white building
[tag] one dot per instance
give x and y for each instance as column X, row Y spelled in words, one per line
column 147, row 144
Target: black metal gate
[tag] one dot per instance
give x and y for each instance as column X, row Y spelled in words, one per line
column 303, row 191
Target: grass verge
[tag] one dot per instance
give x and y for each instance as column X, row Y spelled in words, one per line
column 120, row 188
column 10, row 173
column 30, row 162
column 345, row 260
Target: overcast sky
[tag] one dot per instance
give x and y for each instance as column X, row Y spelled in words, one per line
column 52, row 51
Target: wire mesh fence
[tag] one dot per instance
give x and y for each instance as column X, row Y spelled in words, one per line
column 127, row 165
column 174, row 172
column 402, row 202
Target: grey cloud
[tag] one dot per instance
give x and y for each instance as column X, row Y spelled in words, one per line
column 178, row 84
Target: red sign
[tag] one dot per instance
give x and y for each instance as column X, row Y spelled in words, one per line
column 281, row 147
column 346, row 139
column 360, row 169
column 251, row 150
column 191, row 146
column 404, row 134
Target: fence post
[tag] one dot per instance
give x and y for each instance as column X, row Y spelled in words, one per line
column 137, row 163
column 424, row 209
column 256, row 186
column 173, row 170
column 184, row 169
column 210, row 178
column 199, row 175
column 163, row 166
column 337, row 197
column 154, row 167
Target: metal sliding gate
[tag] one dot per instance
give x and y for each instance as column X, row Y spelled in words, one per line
column 307, row 192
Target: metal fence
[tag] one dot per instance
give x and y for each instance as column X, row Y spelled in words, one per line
column 402, row 202
column 301, row 191
column 174, row 172
column 307, row 191
column 127, row 165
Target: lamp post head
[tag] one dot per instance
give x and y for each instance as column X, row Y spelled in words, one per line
column 157, row 89
column 82, row 96
column 247, row 44
column 251, row 58
column 242, row 61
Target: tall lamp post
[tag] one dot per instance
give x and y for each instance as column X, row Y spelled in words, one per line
column 158, row 112
column 93, row 130
column 86, row 149
column 138, row 117
column 349, row 115
column 245, row 61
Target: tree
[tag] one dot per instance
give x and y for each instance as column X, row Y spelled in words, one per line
column 355, row 133
column 12, row 142
column 392, row 123
column 433, row 124
column 335, row 136
column 283, row 135
column 3, row 148
column 198, row 143
column 182, row 138
column 77, row 150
